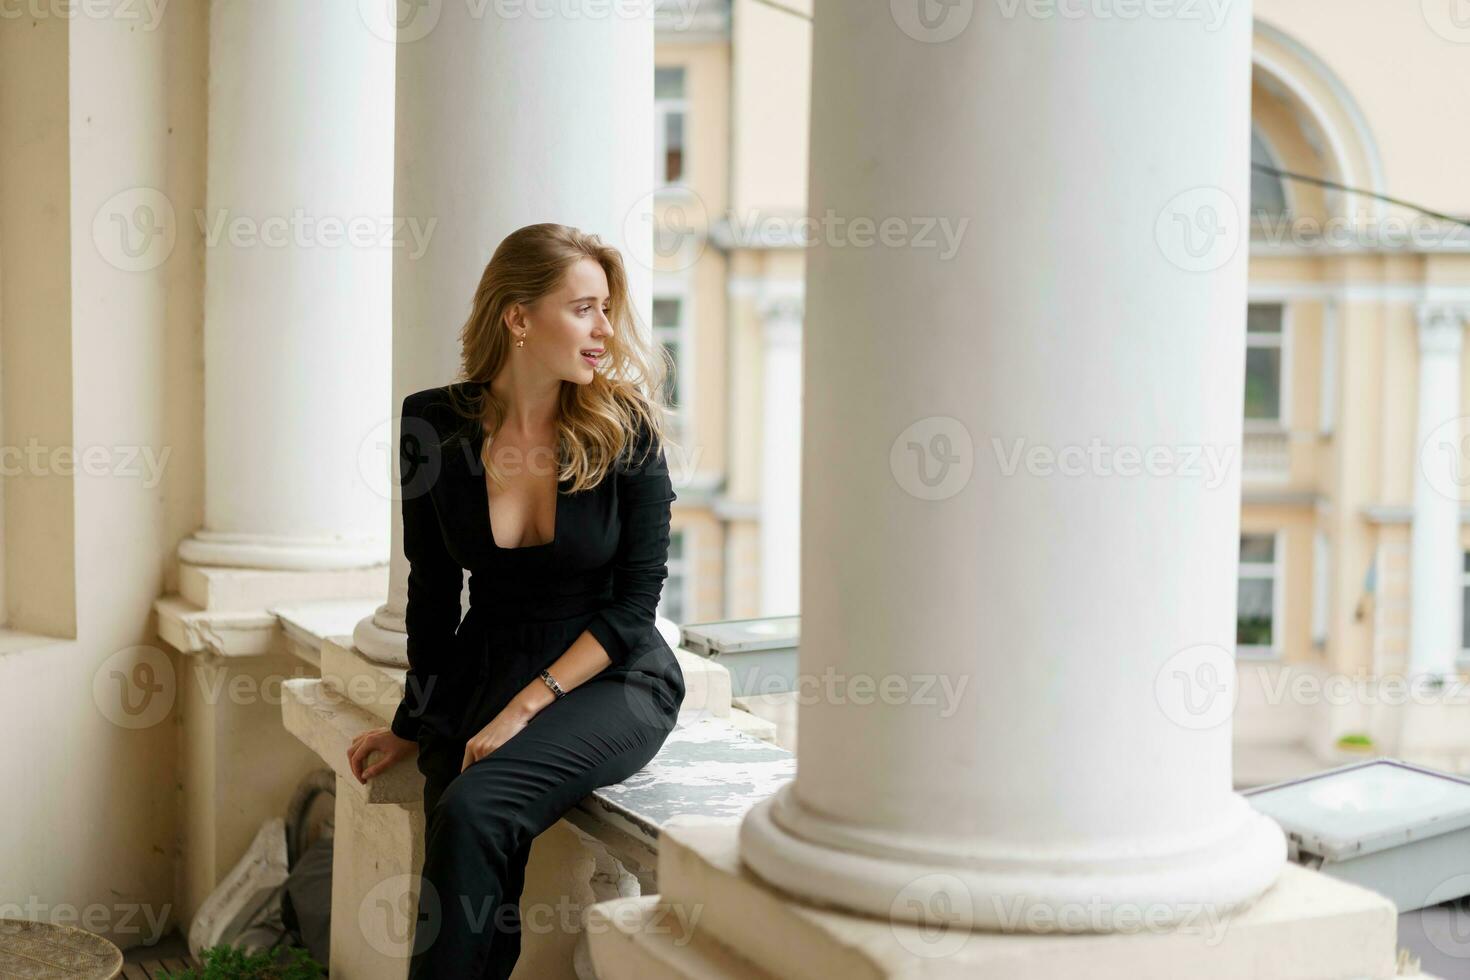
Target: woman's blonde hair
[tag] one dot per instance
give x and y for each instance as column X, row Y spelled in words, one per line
column 599, row 420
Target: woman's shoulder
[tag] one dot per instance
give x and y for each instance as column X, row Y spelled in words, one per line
column 440, row 396
column 452, row 405
column 643, row 452
column 436, row 415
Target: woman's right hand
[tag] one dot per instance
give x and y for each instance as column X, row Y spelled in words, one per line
column 390, row 749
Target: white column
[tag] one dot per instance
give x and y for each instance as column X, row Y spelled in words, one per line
column 1435, row 589
column 780, row 532
column 297, row 287
column 1002, row 728
column 506, row 121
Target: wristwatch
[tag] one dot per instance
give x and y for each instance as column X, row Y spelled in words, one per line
column 551, row 683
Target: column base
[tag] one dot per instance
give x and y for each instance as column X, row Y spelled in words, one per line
column 716, row 920
column 383, row 638
column 865, row 871
column 231, row 612
column 239, row 550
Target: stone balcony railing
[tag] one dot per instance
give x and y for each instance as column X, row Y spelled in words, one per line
column 1266, row 455
column 717, row 762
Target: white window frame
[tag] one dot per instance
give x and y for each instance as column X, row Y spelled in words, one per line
column 662, row 108
column 1327, row 410
column 1283, row 341
column 679, row 569
column 1321, row 588
column 1288, row 190
column 1464, row 658
column 1277, row 571
column 679, row 288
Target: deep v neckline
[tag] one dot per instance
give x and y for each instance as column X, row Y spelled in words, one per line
column 483, row 481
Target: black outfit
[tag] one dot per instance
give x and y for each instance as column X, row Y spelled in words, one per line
column 602, row 572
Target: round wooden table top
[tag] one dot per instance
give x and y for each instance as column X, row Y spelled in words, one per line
column 47, row 951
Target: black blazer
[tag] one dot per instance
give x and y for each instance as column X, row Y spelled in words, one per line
column 608, row 556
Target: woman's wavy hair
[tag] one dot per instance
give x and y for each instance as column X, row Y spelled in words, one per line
column 599, row 420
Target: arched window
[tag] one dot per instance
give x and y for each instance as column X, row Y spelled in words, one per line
column 1268, row 192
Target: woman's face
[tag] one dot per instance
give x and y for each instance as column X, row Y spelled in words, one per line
column 567, row 329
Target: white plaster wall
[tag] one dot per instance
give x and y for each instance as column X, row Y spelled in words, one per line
column 96, row 355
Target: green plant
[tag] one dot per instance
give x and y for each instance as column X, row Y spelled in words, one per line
column 1355, row 740
column 229, row 963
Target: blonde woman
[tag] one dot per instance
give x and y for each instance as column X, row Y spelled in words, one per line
column 543, row 472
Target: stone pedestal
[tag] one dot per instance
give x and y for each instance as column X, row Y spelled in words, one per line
column 715, row 920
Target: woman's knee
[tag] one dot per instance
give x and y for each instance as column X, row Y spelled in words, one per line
column 467, row 810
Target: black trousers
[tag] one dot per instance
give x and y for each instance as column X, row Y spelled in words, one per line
column 480, row 823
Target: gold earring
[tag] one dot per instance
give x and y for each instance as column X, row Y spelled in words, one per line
column 522, row 341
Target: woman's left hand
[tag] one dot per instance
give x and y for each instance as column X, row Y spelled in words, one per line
column 502, row 728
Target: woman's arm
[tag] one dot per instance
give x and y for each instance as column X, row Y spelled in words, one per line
column 435, row 579
column 645, row 493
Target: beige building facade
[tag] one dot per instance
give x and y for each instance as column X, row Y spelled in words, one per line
column 188, row 634
column 1344, row 287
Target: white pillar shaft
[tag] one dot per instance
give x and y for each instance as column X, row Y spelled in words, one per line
column 1030, row 623
column 781, row 459
column 1436, row 590
column 297, row 271
column 506, row 120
